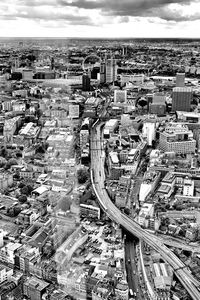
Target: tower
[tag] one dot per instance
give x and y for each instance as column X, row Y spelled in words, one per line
column 86, row 82
column 102, row 72
column 111, row 70
column 180, row 79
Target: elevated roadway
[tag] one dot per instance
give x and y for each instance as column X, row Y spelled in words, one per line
column 97, row 177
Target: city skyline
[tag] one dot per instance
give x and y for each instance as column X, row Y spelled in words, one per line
column 100, row 19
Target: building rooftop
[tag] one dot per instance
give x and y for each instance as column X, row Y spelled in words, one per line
column 37, row 283
column 164, row 188
column 182, row 89
column 169, row 177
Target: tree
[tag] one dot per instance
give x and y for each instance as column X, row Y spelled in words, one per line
column 21, row 185
column 18, row 154
column 39, row 113
column 142, row 102
column 16, row 177
column 40, row 149
column 3, row 162
column 22, row 198
column 30, row 188
column 82, row 175
column 64, row 203
column 25, row 190
column 11, row 162
column 4, row 151
column 48, row 249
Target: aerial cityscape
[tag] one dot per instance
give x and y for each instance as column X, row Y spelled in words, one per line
column 100, row 150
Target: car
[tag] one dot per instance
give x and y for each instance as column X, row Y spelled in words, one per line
column 129, row 261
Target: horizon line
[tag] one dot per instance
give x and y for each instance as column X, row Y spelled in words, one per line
column 96, row 38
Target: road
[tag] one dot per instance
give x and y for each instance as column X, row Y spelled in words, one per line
column 131, row 266
column 175, row 242
column 97, row 178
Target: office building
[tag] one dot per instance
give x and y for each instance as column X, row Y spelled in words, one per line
column 181, row 98
column 27, row 74
column 159, row 98
column 86, row 82
column 180, row 79
column 158, row 105
column 111, row 70
column 177, row 138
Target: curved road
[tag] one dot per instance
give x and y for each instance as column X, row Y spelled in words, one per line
column 98, row 177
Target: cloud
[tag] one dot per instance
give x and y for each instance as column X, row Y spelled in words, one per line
column 137, row 8
column 124, row 19
column 36, row 3
column 100, row 13
column 42, row 13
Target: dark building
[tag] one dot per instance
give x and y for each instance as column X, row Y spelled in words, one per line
column 16, row 76
column 86, row 82
column 102, row 72
column 94, row 73
column 44, row 75
column 181, row 98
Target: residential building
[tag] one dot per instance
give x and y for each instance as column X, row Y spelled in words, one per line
column 102, row 290
column 5, row 273
column 7, row 253
column 34, row 288
column 146, row 212
column 89, row 211
column 10, row 126
column 188, row 187
column 28, row 216
column 66, row 250
column 149, row 131
column 149, row 184
column 122, row 290
column 6, row 180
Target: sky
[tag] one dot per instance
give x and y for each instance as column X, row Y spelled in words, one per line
column 100, row 18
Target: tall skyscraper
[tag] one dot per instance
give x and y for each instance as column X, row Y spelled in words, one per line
column 181, row 98
column 180, row 79
column 86, row 83
column 102, row 72
column 111, row 70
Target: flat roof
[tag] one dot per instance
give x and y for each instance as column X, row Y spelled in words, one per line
column 182, row 89
column 41, row 189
